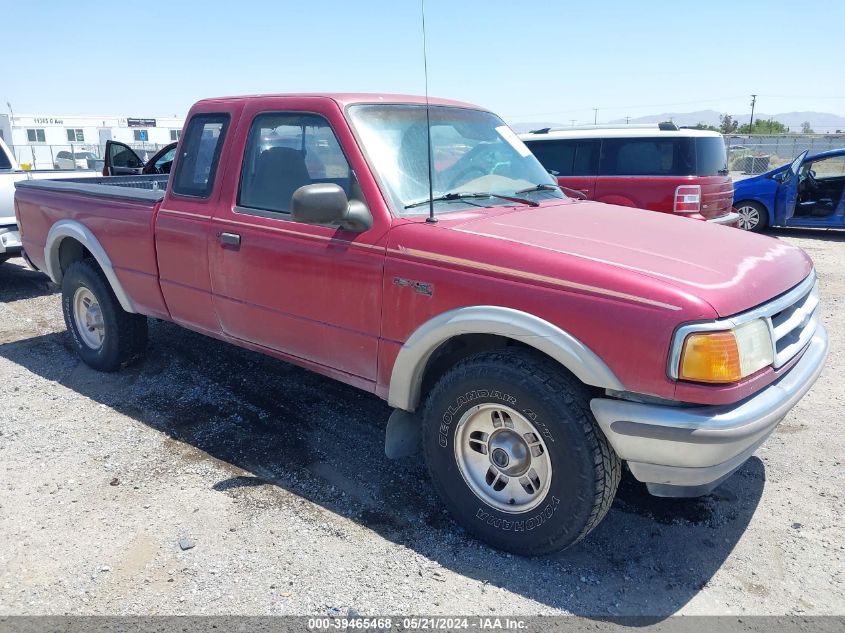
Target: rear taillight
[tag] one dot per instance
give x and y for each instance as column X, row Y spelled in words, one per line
column 688, row 199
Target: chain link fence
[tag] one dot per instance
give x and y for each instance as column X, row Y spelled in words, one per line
column 755, row 154
column 81, row 156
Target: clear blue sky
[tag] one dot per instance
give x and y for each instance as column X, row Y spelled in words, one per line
column 528, row 60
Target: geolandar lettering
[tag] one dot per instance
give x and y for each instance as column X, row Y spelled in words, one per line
column 480, row 394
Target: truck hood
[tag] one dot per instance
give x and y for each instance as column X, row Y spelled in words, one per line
column 730, row 269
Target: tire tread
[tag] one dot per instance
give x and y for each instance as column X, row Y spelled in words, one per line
column 558, row 383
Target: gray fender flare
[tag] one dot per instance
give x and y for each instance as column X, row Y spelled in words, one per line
column 407, row 375
column 72, row 229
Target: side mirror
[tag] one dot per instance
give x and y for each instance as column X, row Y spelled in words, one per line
column 326, row 203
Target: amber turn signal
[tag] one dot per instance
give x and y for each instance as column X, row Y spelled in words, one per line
column 711, row 357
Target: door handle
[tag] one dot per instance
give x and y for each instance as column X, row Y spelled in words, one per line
column 232, row 240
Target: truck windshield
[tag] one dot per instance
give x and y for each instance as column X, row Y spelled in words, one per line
column 473, row 152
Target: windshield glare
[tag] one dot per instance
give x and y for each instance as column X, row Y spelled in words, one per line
column 472, row 151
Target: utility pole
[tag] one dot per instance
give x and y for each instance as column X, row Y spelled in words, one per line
column 627, row 120
column 572, row 121
column 595, row 116
column 753, row 101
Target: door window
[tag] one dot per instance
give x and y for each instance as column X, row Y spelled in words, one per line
column 162, row 165
column 833, row 167
column 201, row 148
column 122, row 156
column 570, row 157
column 284, row 152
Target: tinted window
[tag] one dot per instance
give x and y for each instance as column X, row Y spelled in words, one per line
column 285, row 152
column 122, row 156
column 5, row 163
column 711, row 157
column 648, row 157
column 557, row 157
column 570, row 157
column 200, row 154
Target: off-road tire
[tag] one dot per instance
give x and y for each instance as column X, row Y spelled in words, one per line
column 125, row 334
column 585, row 469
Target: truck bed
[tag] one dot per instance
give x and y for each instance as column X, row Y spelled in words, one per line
column 118, row 211
column 145, row 188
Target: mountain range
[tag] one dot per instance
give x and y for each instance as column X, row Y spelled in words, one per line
column 820, row 122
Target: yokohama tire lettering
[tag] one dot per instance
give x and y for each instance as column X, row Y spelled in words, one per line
column 521, row 525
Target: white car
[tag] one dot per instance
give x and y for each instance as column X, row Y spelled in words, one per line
column 75, row 160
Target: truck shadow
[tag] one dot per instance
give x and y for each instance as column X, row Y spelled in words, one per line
column 275, row 426
column 19, row 282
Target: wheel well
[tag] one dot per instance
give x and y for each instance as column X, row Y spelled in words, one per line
column 70, row 251
column 457, row 348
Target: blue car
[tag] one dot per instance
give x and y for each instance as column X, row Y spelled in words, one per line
column 809, row 192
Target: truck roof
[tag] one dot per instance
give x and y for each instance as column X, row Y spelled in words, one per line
column 348, row 98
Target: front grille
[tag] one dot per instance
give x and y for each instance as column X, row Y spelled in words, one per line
column 794, row 325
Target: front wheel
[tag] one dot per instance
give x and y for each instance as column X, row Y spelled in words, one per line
column 514, row 452
column 104, row 334
column 752, row 216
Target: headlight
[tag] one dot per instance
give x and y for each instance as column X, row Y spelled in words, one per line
column 726, row 355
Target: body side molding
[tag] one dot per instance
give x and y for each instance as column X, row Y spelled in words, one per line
column 406, row 377
column 82, row 234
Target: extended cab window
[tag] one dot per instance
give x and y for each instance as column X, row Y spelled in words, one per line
column 286, row 151
column 200, row 154
column 567, row 157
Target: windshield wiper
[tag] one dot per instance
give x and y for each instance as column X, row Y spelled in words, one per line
column 447, row 197
column 541, row 187
column 575, row 193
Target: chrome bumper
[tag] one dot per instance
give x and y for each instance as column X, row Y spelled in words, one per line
column 10, row 240
column 688, row 451
column 730, row 218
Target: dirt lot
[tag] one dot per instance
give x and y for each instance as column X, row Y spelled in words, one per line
column 275, row 483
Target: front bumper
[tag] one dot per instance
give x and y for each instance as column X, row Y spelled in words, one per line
column 688, row 451
column 10, row 241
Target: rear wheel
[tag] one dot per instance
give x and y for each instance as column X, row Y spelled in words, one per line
column 514, row 452
column 752, row 216
column 104, row 334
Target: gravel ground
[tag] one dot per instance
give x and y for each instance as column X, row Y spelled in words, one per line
column 212, row 480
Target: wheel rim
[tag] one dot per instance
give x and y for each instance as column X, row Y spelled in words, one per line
column 502, row 458
column 89, row 318
column 749, row 217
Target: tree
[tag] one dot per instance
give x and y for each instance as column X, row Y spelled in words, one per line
column 704, row 126
column 806, row 129
column 727, row 125
column 767, row 126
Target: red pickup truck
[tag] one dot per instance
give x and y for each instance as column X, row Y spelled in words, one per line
column 535, row 341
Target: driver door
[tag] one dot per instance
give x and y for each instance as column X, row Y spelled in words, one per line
column 787, row 192
column 121, row 160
